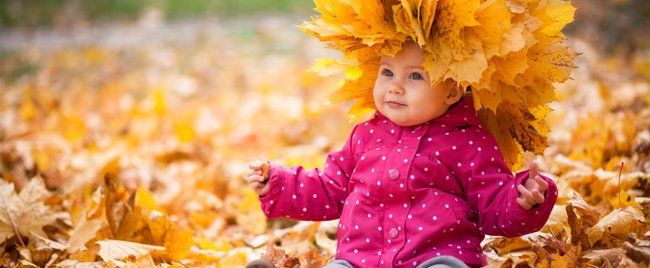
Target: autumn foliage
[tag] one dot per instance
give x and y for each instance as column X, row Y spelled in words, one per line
column 134, row 155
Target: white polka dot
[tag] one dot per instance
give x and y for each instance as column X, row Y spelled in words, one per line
column 429, row 139
column 293, row 196
column 372, row 130
column 437, row 153
column 401, row 185
column 338, row 173
column 420, row 228
column 304, row 209
column 409, row 216
column 459, row 164
column 378, row 183
column 406, row 160
column 412, row 177
column 369, row 215
column 356, row 227
column 368, row 240
column 383, row 158
column 302, row 185
column 426, row 169
column 479, row 149
column 379, row 228
column 356, row 250
column 315, row 196
column 327, row 206
column 424, row 205
column 471, row 142
column 453, row 147
column 405, row 205
column 446, row 205
column 390, row 216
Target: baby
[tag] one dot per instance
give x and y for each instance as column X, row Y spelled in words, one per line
column 418, row 185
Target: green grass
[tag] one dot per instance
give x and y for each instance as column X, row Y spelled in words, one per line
column 31, row 13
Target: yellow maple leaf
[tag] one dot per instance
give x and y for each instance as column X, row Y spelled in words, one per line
column 25, row 212
column 619, row 221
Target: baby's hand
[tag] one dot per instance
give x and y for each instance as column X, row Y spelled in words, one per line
column 258, row 176
column 532, row 191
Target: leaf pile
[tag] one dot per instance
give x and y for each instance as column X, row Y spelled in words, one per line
column 135, row 155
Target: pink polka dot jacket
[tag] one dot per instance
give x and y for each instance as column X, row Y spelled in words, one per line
column 408, row 194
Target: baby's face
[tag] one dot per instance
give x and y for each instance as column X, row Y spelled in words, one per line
column 403, row 91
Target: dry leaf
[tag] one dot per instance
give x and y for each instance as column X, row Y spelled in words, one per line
column 116, row 250
column 619, row 221
column 24, row 212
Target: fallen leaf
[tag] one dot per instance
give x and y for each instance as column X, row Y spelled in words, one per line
column 115, row 250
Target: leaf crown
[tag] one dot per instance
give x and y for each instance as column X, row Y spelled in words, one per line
column 508, row 51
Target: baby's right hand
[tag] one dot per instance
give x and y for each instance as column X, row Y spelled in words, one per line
column 258, row 176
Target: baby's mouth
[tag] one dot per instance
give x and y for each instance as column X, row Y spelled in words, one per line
column 395, row 104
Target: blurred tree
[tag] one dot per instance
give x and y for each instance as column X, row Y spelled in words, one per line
column 613, row 26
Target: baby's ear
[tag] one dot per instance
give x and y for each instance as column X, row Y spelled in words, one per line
column 456, row 92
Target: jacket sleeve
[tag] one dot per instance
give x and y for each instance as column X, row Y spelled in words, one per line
column 313, row 195
column 491, row 191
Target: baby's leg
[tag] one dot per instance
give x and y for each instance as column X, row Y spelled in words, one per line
column 339, row 264
column 443, row 262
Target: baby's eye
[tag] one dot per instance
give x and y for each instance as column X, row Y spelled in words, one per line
column 387, row 72
column 416, row 76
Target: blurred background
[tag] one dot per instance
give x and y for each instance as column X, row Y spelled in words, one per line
column 164, row 102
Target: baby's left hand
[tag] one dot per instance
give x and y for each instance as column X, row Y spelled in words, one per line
column 532, row 191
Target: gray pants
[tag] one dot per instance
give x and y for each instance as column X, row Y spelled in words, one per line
column 437, row 262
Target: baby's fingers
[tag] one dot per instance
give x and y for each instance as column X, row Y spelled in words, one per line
column 255, row 178
column 525, row 193
column 543, row 185
column 522, row 202
column 256, row 165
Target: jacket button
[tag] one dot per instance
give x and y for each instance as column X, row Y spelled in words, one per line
column 393, row 233
column 393, row 174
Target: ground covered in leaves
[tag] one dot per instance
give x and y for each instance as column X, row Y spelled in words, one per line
column 126, row 146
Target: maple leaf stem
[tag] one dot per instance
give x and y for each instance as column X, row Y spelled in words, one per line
column 13, row 223
column 619, row 182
